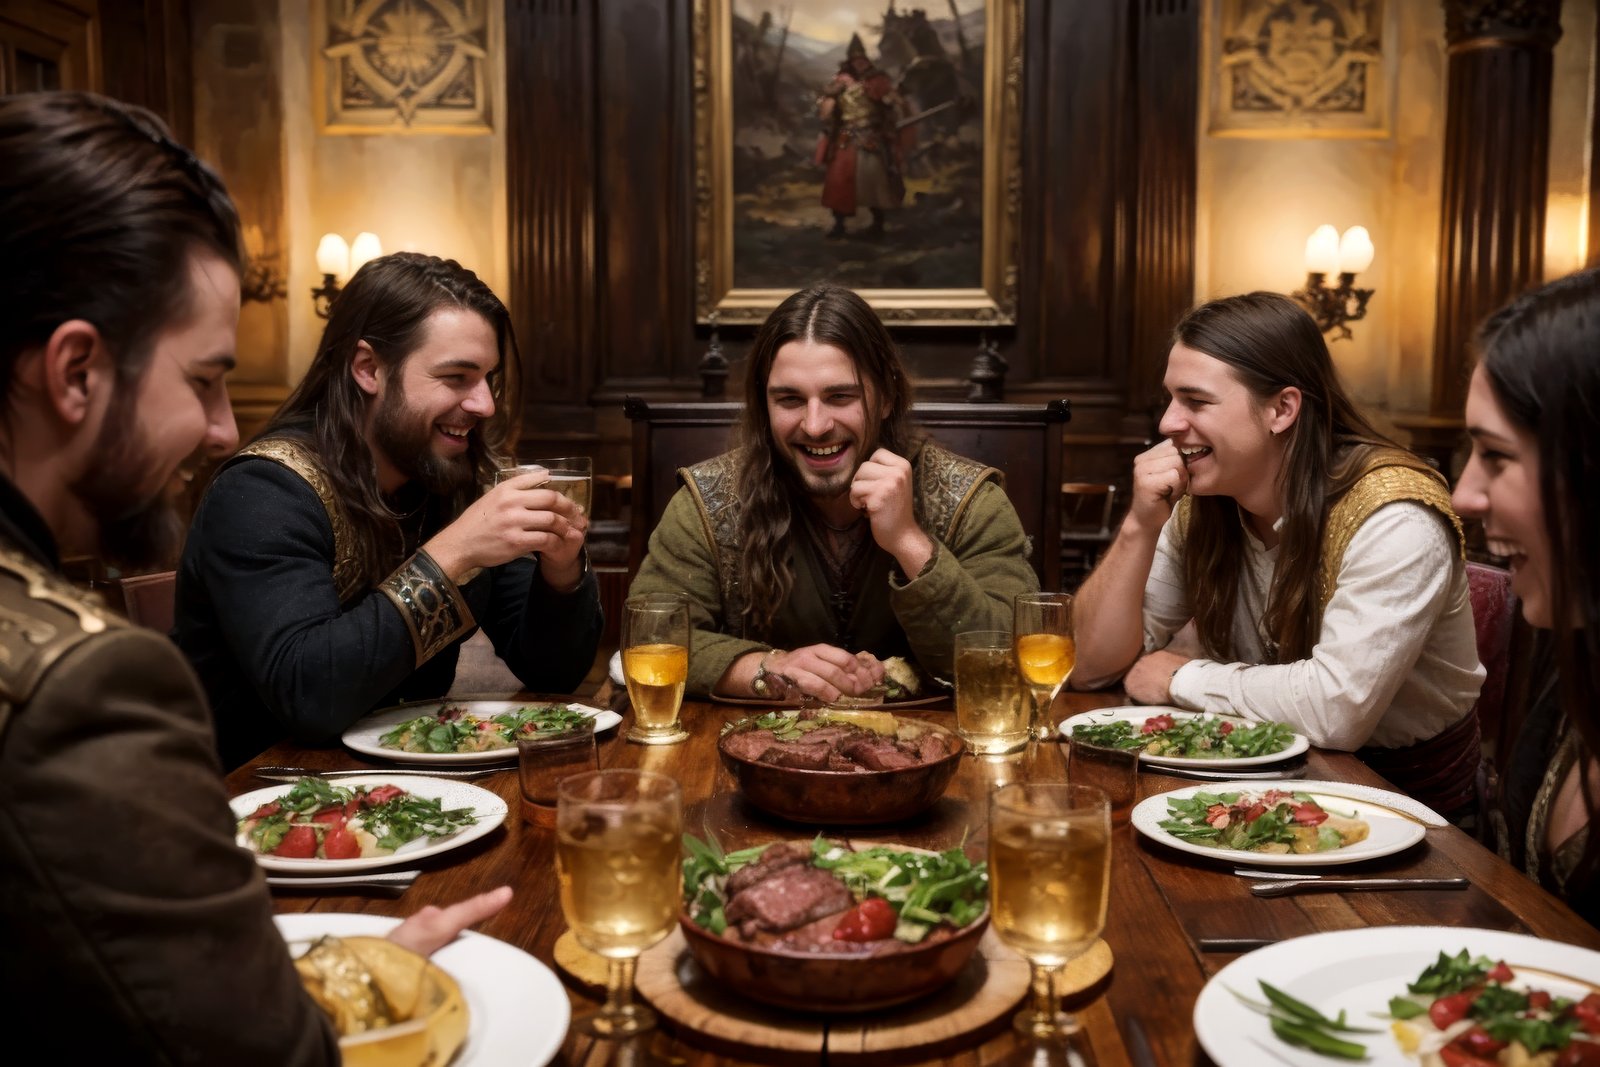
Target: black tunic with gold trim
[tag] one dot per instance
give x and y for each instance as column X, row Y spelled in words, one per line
column 292, row 640
column 133, row 928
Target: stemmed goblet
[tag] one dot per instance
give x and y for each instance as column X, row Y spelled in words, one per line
column 1049, row 880
column 618, row 859
column 1041, row 625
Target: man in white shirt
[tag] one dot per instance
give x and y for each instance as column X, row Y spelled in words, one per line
column 1320, row 563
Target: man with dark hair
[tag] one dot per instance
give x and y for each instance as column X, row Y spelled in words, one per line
column 835, row 529
column 1320, row 562
column 134, row 929
column 337, row 564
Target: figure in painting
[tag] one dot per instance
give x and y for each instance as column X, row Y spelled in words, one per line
column 861, row 143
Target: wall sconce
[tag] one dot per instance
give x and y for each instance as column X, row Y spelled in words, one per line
column 1328, row 253
column 338, row 260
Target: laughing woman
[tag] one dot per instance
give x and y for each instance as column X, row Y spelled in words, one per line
column 1533, row 414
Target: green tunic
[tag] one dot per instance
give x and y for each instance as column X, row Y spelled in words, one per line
column 980, row 564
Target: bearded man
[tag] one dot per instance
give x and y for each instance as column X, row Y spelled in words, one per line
column 835, row 536
column 338, row 562
column 135, row 930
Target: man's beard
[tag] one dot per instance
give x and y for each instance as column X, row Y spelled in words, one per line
column 137, row 528
column 407, row 440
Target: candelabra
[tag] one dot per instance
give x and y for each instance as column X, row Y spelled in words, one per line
column 1333, row 308
column 1328, row 253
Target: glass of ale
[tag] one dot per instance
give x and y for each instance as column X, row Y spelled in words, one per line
column 1049, row 880
column 618, row 841
column 1042, row 623
column 655, row 664
column 991, row 708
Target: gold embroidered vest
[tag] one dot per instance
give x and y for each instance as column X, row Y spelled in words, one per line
column 943, row 484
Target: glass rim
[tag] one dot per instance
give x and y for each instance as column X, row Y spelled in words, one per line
column 1012, row 798
column 656, row 600
column 565, row 789
column 564, row 461
column 1007, row 635
column 1042, row 597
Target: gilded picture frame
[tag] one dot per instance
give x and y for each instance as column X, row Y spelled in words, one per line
column 1293, row 68
column 947, row 252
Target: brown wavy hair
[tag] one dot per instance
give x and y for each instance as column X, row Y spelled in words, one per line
column 769, row 487
column 387, row 304
column 1541, row 355
column 1270, row 344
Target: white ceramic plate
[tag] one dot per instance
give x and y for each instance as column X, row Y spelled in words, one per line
column 1138, row 714
column 452, row 794
column 1357, row 971
column 363, row 736
column 518, row 1009
column 1391, row 831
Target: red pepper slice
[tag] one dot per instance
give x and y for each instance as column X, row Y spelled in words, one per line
column 1155, row 724
column 1455, row 1057
column 1446, row 1011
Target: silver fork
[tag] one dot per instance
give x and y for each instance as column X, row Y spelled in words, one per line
column 391, row 882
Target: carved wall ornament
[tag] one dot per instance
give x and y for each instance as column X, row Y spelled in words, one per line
column 1297, row 68
column 403, row 66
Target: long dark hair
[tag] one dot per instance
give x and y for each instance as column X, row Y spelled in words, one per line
column 768, row 487
column 387, row 304
column 1271, row 344
column 1541, row 355
column 100, row 210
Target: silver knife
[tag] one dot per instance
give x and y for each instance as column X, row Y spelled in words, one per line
column 1280, row 889
column 1224, row 776
column 294, row 774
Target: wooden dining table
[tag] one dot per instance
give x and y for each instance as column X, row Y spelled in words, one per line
column 1164, row 903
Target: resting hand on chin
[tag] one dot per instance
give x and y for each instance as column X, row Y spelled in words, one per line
column 1159, row 481
column 883, row 489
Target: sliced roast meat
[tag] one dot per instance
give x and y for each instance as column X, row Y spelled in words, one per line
column 775, row 858
column 750, row 744
column 789, row 898
column 878, row 753
column 804, row 755
column 931, row 748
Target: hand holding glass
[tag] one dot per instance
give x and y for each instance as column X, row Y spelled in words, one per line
column 618, row 843
column 1046, row 653
column 655, row 664
column 1049, row 880
column 571, row 476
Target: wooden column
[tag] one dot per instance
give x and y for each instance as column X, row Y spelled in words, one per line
column 1497, row 134
column 1166, row 86
column 550, row 168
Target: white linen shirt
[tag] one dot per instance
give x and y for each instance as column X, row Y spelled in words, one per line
column 1396, row 661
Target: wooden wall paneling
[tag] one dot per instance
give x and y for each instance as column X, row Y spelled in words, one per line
column 147, row 58
column 646, row 335
column 49, row 44
column 1166, row 89
column 1592, row 258
column 1074, row 328
column 551, row 174
column 1496, row 165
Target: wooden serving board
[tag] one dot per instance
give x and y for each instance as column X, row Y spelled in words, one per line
column 991, row 986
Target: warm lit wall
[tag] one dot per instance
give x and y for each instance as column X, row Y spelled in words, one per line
column 1260, row 197
column 437, row 193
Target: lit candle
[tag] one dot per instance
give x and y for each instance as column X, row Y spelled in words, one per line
column 366, row 246
column 1355, row 250
column 1322, row 251
column 333, row 255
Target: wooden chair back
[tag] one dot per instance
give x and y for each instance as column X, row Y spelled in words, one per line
column 148, row 599
column 1023, row 441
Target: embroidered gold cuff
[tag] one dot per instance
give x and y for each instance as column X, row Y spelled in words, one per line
column 430, row 604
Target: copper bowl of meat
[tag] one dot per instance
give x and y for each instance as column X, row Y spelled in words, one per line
column 841, row 768
column 825, row 927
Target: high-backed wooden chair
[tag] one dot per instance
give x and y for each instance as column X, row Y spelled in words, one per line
column 1086, row 512
column 148, row 599
column 1022, row 440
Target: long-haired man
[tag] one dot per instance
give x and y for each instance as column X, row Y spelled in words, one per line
column 135, row 930
column 339, row 561
column 834, row 536
column 1321, row 564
